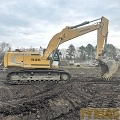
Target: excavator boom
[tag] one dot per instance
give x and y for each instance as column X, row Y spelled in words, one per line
column 71, row 32
column 108, row 68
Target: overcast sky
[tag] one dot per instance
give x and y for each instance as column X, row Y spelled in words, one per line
column 25, row 23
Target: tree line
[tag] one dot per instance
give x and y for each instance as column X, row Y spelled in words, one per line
column 88, row 52
column 81, row 53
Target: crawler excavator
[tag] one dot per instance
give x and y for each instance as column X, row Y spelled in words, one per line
column 32, row 66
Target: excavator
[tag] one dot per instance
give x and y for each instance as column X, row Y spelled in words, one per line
column 27, row 67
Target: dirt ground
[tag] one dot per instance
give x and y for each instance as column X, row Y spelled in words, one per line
column 58, row 101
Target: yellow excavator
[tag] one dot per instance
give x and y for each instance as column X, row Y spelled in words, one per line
column 33, row 66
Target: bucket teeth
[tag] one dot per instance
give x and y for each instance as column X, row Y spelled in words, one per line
column 105, row 78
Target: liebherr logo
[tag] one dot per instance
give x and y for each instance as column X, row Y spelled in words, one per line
column 100, row 114
column 84, row 30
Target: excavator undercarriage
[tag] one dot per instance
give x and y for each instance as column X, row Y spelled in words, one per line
column 37, row 75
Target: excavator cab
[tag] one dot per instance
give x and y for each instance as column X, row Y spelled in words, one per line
column 54, row 59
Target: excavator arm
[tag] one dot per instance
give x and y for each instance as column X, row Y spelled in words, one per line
column 71, row 32
column 108, row 67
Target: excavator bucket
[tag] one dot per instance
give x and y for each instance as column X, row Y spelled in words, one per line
column 108, row 68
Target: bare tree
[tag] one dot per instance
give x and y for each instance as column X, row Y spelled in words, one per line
column 3, row 48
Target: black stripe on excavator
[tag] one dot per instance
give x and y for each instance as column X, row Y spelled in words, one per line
column 39, row 64
column 34, row 54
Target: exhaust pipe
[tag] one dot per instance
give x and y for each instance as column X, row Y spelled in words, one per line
column 108, row 68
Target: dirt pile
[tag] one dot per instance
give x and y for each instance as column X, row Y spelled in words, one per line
column 52, row 101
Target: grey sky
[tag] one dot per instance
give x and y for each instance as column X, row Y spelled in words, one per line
column 26, row 23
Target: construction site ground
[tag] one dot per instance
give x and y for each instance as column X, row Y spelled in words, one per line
column 58, row 101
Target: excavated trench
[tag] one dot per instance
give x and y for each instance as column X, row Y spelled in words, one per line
column 57, row 101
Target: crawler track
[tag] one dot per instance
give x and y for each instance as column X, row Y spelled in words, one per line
column 37, row 76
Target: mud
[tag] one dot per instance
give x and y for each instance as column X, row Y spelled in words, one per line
column 53, row 101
